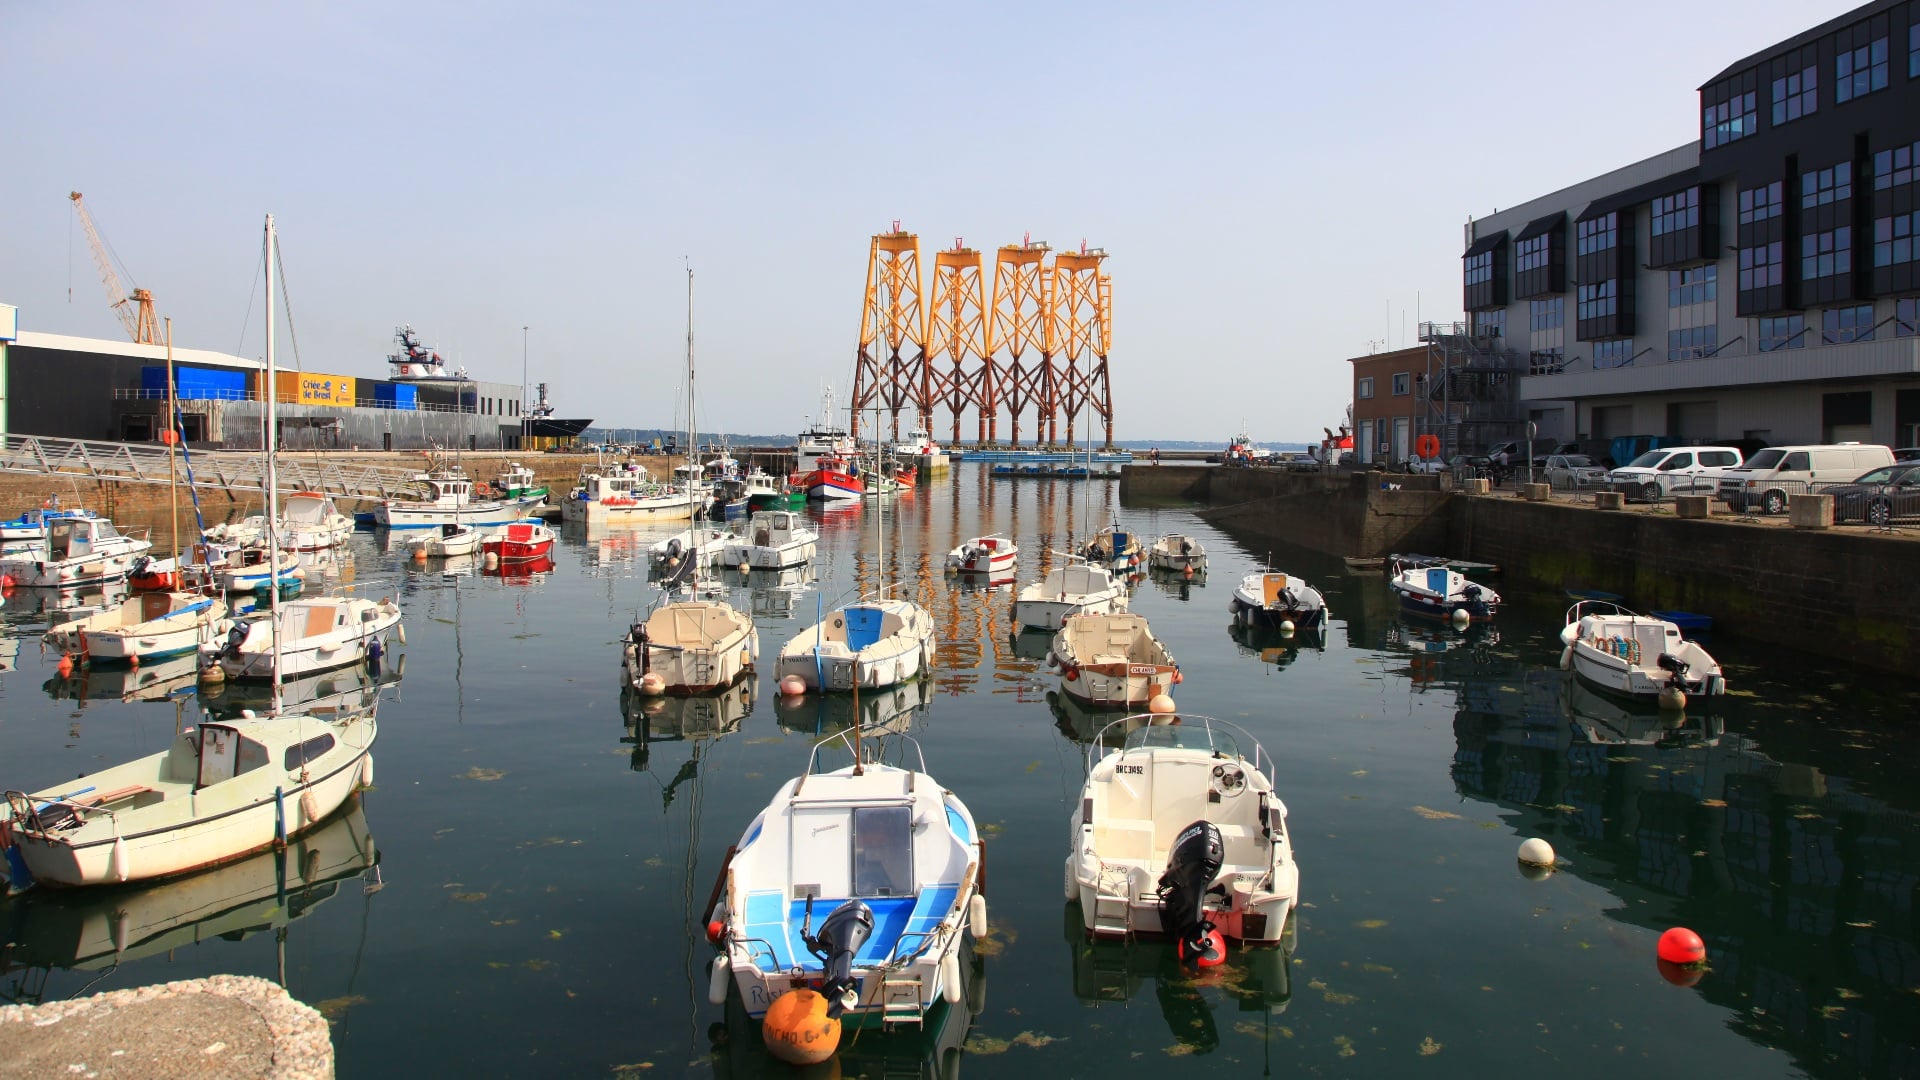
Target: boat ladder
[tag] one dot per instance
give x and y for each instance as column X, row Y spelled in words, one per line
column 900, row 999
column 1111, row 908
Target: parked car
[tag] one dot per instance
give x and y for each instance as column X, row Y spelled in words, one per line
column 1907, row 453
column 1573, row 472
column 1878, row 496
column 1674, row 470
column 1766, row 479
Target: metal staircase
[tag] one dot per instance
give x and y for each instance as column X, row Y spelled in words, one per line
column 145, row 463
column 1470, row 395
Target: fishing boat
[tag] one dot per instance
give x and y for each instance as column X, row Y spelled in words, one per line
column 445, row 542
column 625, row 496
column 1273, row 599
column 834, row 479
column 314, row 634
column 765, row 492
column 861, row 882
column 1111, row 545
column 1181, row 832
column 993, row 554
column 1078, row 588
column 517, row 484
column 309, row 522
column 449, row 501
column 690, row 644
column 74, row 551
column 145, row 627
column 1639, row 656
column 522, row 541
column 1442, row 593
column 223, row 790
column 823, row 438
column 1177, row 552
column 707, row 542
column 1113, row 661
column 774, row 540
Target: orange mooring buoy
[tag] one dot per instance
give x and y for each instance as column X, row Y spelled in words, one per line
column 798, row 1030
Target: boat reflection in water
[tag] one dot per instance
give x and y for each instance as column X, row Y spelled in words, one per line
column 327, row 695
column 32, row 603
column 1082, row 723
column 894, row 709
column 983, row 581
column 774, row 594
column 1606, row 719
column 1274, row 647
column 91, row 929
column 1177, row 583
column 1029, row 644
column 696, row 717
column 156, row 681
column 521, row 572
column 1110, row 973
column 931, row 1051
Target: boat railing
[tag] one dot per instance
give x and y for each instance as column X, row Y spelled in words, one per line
column 1183, row 730
column 1583, row 608
column 878, row 731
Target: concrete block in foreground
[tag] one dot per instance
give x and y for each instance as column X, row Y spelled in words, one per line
column 226, row 1027
column 1810, row 511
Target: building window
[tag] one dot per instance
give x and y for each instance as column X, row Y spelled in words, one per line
column 1480, row 268
column 1613, row 354
column 1906, row 316
column 1760, row 266
column 1402, row 383
column 1598, row 301
column 1364, row 388
column 1796, row 96
column 1681, row 210
column 1823, row 186
column 1761, row 203
column 1838, row 326
column 1785, row 332
column 1692, row 343
column 1913, row 51
column 1597, row 234
column 1490, row 324
column 1695, row 285
column 1550, row 314
column 1893, row 239
column 1546, row 334
column 1861, row 71
column 1532, row 253
column 1892, row 168
column 1825, row 254
column 1732, row 119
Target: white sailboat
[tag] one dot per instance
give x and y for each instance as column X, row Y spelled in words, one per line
column 690, row 645
column 222, row 791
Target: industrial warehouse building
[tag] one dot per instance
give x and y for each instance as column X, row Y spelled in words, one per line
column 1761, row 285
column 85, row 388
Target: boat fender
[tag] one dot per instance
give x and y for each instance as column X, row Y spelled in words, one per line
column 977, row 916
column 1177, row 677
column 309, row 806
column 1716, row 685
column 1070, row 673
column 1566, row 658
column 117, row 861
column 366, row 772
column 717, row 981
column 950, row 987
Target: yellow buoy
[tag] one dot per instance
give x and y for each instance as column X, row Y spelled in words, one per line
column 798, row 1030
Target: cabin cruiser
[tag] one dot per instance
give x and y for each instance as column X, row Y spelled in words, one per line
column 1642, row 657
column 74, row 551
column 1078, row 588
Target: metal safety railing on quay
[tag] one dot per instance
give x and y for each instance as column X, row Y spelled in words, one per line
column 146, row 463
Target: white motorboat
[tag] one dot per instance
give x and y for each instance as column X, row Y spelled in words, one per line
column 316, row 633
column 860, row 882
column 449, row 501
column 223, row 790
column 445, row 542
column 1113, row 660
column 247, row 569
column 144, row 627
column 308, row 522
column 1441, row 592
column 74, row 551
column 1078, row 588
column 869, row 644
column 994, row 554
column 706, row 543
column 774, row 540
column 28, row 532
column 1112, row 544
column 624, row 497
column 1177, row 552
column 1640, row 656
column 1273, row 599
column 1181, row 832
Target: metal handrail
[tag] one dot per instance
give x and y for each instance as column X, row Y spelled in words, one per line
column 143, row 463
column 1098, row 749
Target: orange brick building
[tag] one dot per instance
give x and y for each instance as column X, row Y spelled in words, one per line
column 1385, row 404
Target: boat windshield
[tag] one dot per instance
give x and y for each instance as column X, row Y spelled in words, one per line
column 1200, row 736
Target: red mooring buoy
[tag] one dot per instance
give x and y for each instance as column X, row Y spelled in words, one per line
column 1682, row 946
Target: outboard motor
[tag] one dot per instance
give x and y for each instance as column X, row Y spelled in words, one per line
column 1198, row 854
column 1674, row 664
column 236, row 635
column 637, row 637
column 139, row 566
column 840, row 938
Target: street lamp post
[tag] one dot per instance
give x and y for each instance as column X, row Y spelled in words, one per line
column 523, row 386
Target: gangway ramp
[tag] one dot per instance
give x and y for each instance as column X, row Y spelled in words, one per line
column 230, row 470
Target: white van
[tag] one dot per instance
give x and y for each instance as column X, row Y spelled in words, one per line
column 1674, row 470
column 1766, row 479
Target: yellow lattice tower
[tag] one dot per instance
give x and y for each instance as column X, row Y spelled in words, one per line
column 1077, row 330
column 958, row 371
column 889, row 366
column 1017, row 323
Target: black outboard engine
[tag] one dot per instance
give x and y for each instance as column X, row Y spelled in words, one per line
column 139, row 566
column 840, row 938
column 1674, row 664
column 637, row 637
column 236, row 635
column 1198, row 853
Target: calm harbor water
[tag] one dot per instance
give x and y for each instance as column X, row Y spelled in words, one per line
column 521, row 893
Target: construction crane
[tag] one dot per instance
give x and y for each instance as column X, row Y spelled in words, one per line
column 135, row 311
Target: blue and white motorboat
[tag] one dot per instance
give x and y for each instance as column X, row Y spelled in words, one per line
column 858, row 882
column 1440, row 592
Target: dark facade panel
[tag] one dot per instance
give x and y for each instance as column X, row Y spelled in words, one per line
column 63, row 394
column 1684, row 227
column 1604, row 275
column 1540, row 258
column 1484, row 273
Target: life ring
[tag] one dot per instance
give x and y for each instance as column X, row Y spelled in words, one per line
column 1427, row 446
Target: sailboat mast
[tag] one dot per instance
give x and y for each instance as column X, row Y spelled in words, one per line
column 692, row 494
column 273, row 479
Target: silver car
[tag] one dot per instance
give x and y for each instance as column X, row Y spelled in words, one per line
column 1573, row 472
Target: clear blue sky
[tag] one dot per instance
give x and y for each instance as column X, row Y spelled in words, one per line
column 1275, row 183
